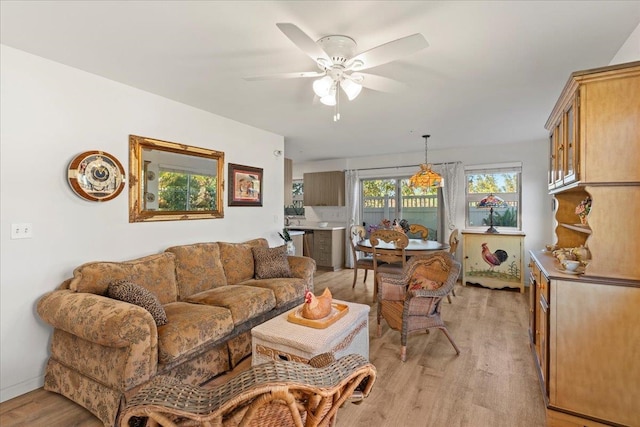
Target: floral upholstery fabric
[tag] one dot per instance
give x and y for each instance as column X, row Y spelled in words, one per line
column 285, row 290
column 100, row 320
column 189, row 327
column 303, row 268
column 99, row 399
column 198, row 268
column 244, row 302
column 430, row 275
column 200, row 368
column 239, row 348
column 237, row 259
column 155, row 273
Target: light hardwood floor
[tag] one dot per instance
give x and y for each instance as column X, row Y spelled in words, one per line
column 492, row 383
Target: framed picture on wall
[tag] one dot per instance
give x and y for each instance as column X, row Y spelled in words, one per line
column 245, row 185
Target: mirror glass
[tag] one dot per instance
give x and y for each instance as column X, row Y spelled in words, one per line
column 170, row 181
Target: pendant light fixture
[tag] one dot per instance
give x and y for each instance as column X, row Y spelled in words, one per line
column 426, row 177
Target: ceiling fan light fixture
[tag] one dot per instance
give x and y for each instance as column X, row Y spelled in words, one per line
column 351, row 88
column 322, row 87
column 329, row 99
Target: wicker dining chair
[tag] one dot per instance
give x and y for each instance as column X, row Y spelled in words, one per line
column 273, row 394
column 388, row 260
column 454, row 239
column 412, row 301
column 360, row 260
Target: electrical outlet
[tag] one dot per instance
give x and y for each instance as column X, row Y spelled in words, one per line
column 21, row 231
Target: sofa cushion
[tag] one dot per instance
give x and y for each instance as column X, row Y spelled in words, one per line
column 285, row 290
column 198, row 268
column 237, row 259
column 245, row 302
column 155, row 273
column 127, row 291
column 189, row 327
column 271, row 262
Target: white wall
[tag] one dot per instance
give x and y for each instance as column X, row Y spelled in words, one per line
column 49, row 114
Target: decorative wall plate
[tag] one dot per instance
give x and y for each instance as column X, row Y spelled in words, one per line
column 96, row 176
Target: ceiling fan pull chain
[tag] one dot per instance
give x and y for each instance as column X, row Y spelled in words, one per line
column 336, row 115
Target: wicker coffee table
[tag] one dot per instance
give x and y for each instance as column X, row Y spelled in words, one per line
column 280, row 339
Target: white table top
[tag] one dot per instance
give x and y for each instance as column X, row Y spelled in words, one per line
column 415, row 247
column 280, row 330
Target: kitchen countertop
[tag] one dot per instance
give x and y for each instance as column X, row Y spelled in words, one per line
column 315, row 227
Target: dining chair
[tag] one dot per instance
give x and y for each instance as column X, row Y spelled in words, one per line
column 390, row 260
column 412, row 301
column 453, row 246
column 420, row 230
column 361, row 261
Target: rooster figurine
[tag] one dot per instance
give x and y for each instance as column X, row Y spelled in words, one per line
column 314, row 307
column 493, row 259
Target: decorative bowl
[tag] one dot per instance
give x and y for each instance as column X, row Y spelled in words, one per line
column 323, row 224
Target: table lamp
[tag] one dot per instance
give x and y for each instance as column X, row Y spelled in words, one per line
column 491, row 202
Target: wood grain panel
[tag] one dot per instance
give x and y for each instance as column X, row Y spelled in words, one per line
column 610, row 130
column 615, row 238
column 595, row 350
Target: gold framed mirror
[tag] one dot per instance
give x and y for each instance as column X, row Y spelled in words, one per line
column 169, row 181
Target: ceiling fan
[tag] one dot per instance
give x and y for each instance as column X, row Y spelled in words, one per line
column 340, row 68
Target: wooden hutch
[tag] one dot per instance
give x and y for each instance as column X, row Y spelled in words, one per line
column 585, row 329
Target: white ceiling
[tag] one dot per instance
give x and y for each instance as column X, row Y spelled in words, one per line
column 491, row 74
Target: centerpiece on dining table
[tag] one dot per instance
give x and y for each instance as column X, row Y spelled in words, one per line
column 401, row 225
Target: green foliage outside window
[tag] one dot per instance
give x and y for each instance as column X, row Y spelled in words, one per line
column 178, row 191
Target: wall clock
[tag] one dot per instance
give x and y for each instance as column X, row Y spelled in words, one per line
column 96, row 176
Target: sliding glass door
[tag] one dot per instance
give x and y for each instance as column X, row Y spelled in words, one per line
column 393, row 198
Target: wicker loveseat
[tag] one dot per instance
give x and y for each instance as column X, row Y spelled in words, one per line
column 103, row 350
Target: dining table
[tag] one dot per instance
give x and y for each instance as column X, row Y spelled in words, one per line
column 415, row 246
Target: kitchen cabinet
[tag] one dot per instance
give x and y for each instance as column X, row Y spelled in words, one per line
column 328, row 249
column 493, row 260
column 584, row 327
column 539, row 321
column 324, row 188
column 595, row 121
column 585, row 345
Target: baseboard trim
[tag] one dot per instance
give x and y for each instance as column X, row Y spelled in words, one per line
column 16, row 390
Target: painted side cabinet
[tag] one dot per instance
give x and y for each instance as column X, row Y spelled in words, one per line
column 493, row 260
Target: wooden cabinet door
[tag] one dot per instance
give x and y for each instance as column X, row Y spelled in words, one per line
column 493, row 260
column 570, row 143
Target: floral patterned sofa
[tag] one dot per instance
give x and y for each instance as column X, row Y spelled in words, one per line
column 103, row 349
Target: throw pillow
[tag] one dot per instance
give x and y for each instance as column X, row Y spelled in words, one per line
column 127, row 291
column 418, row 281
column 271, row 263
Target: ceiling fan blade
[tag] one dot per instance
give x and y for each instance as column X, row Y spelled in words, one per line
column 379, row 83
column 303, row 41
column 390, row 51
column 302, row 74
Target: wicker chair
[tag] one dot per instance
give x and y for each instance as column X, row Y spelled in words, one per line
column 407, row 306
column 273, row 394
column 360, row 262
column 454, row 239
column 390, row 258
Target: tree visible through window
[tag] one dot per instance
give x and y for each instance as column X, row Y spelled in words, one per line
column 393, row 198
column 184, row 191
column 503, row 182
